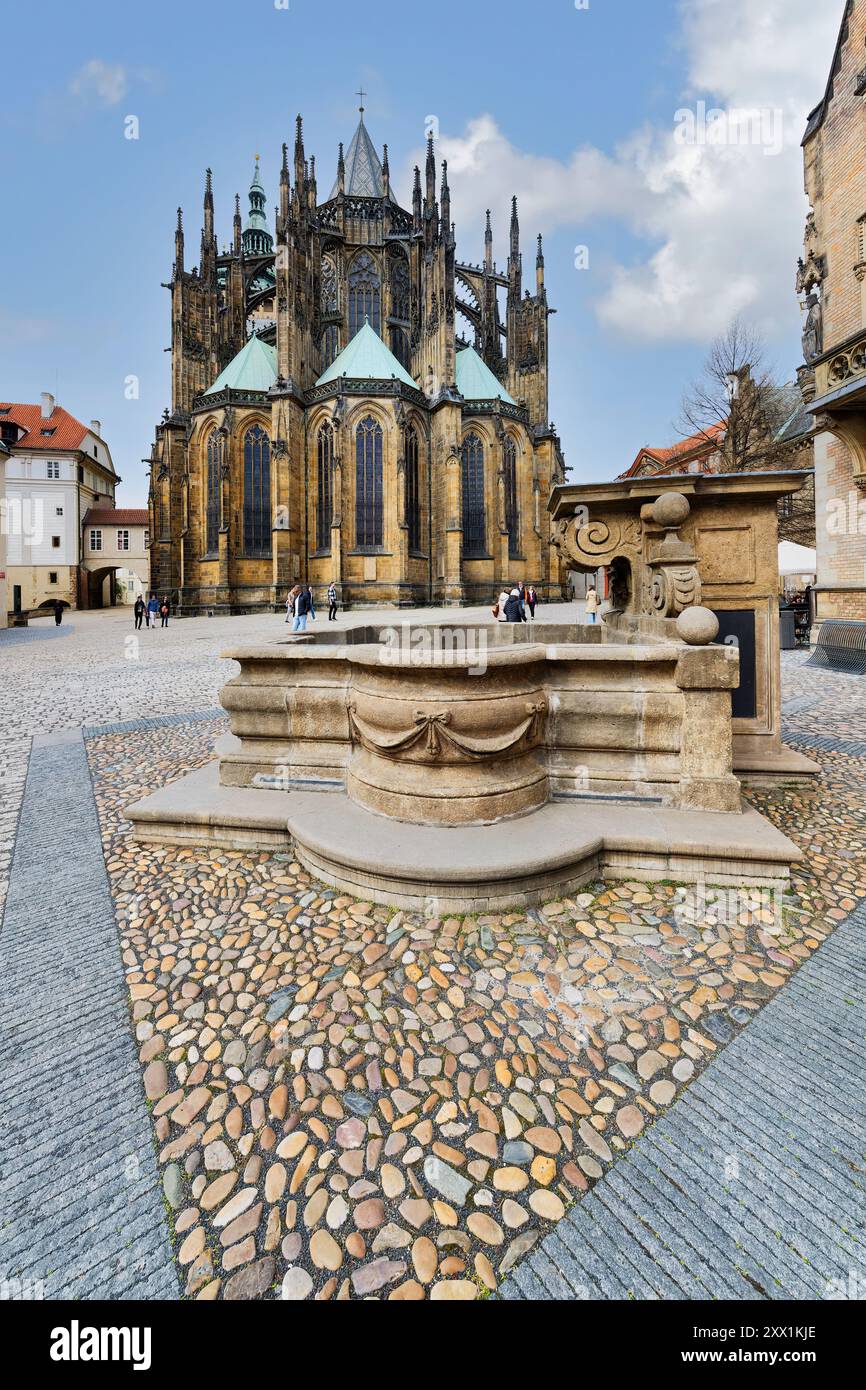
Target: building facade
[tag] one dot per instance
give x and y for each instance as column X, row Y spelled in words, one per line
column 57, row 469
column 115, row 545
column 351, row 402
column 831, row 281
column 4, row 454
column 788, row 446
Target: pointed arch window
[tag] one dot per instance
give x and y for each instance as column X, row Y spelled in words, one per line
column 413, row 490
column 212, row 494
column 330, row 344
column 512, row 505
column 257, row 492
column 399, row 286
column 325, row 462
column 474, row 514
column 368, row 484
column 400, row 346
column 364, row 293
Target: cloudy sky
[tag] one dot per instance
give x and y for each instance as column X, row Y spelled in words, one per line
column 656, row 145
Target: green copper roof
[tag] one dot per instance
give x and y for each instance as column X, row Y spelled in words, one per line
column 254, row 369
column 475, row 381
column 364, row 177
column 366, row 357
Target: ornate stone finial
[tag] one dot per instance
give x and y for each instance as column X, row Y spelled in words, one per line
column 698, row 626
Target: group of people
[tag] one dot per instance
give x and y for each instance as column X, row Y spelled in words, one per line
column 150, row 611
column 301, row 605
column 512, row 604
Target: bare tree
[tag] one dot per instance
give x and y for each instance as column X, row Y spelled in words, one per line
column 737, row 391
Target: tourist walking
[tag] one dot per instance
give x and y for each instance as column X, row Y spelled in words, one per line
column 312, row 603
column 291, row 598
column 58, row 612
column 592, row 603
column 531, row 599
column 499, row 607
column 302, row 610
column 164, row 610
column 138, row 610
column 152, row 610
column 514, row 608
column 332, row 602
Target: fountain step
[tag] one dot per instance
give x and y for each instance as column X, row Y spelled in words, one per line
column 521, row 862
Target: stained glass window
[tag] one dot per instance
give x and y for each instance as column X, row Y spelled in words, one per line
column 212, row 496
column 330, row 344
column 413, row 491
column 512, row 506
column 368, row 484
column 257, row 492
column 474, row 516
column 364, row 293
column 323, row 491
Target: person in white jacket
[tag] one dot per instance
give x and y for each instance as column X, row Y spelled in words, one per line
column 500, row 605
column 592, row 604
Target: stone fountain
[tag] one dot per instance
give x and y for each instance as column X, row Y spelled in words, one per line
column 468, row 767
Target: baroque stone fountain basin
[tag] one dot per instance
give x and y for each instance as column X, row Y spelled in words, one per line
column 471, row 767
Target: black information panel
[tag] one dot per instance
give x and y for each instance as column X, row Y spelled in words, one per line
column 738, row 630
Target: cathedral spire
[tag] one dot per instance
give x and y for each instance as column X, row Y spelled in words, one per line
column 178, row 246
column 488, row 244
column 514, row 268
column 341, row 171
column 445, row 198
column 431, row 171
column 416, row 199
column 257, row 240
column 539, row 267
column 238, row 226
column 386, row 173
column 299, row 152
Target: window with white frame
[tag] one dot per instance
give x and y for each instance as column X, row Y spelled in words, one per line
column 123, row 540
column 146, row 539
column 95, row 540
column 53, row 470
column 58, row 511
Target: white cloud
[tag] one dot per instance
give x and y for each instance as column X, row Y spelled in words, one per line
column 107, row 82
column 721, row 223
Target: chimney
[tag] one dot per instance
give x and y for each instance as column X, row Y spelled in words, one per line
column 47, row 407
column 96, row 427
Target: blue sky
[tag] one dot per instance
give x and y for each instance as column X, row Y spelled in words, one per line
column 573, row 109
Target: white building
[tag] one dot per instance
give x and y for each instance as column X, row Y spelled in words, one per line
column 4, row 454
column 115, row 545
column 57, row 469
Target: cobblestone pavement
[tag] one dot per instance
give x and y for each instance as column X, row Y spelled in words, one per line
column 753, row 1185
column 350, row 1102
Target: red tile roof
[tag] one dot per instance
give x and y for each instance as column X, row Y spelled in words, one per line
column 116, row 516
column 703, row 443
column 68, row 432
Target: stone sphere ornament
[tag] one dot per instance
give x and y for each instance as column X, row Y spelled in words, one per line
column 671, row 509
column 698, row 626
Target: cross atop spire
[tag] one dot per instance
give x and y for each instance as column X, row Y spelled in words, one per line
column 361, row 93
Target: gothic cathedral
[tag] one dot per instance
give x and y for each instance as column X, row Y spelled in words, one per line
column 348, row 405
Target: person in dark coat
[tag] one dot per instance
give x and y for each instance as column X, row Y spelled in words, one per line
column 514, row 608
column 138, row 610
column 303, row 603
column 164, row 610
column 58, row 611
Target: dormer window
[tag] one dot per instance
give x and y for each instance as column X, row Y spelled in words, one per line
column 47, row 433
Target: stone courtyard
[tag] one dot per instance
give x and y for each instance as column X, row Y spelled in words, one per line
column 227, row 1081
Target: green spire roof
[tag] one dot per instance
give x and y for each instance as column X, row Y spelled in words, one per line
column 366, row 357
column 475, row 381
column 364, row 177
column 253, row 369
